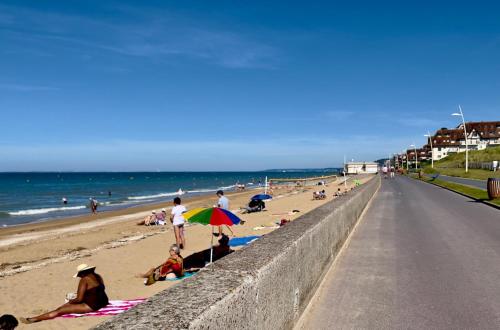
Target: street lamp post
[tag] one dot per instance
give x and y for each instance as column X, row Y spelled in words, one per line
column 416, row 156
column 461, row 114
column 432, row 149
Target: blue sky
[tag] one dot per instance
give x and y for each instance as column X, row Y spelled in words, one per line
column 236, row 85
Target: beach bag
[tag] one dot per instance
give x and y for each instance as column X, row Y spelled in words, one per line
column 153, row 277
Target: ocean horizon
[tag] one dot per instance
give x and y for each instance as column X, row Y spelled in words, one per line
column 27, row 197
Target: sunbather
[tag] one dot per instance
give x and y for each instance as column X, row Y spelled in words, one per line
column 148, row 220
column 255, row 205
column 198, row 260
column 172, row 268
column 89, row 298
column 319, row 195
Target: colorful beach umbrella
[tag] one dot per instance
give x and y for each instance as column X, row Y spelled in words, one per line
column 262, row 197
column 190, row 213
column 214, row 216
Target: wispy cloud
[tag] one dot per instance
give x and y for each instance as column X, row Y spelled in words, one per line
column 27, row 88
column 153, row 35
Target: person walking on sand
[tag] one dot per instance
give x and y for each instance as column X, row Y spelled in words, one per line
column 177, row 219
column 91, row 296
column 93, row 205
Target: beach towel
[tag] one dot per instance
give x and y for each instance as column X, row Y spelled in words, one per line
column 239, row 241
column 114, row 307
column 186, row 274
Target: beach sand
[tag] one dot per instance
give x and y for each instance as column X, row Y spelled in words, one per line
column 37, row 261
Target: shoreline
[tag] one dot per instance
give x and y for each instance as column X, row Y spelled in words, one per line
column 64, row 222
column 35, row 274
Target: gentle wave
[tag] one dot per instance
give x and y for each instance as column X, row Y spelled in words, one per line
column 227, row 187
column 201, row 191
column 46, row 210
column 153, row 196
column 178, row 193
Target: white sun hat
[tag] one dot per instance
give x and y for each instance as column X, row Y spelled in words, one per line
column 81, row 268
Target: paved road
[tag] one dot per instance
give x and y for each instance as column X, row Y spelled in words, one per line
column 481, row 184
column 421, row 258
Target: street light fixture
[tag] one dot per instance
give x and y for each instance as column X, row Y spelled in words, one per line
column 432, row 149
column 461, row 114
column 416, row 156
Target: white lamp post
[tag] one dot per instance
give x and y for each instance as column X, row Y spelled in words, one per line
column 416, row 156
column 432, row 149
column 461, row 114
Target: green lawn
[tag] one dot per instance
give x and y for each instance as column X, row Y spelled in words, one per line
column 472, row 173
column 469, row 191
column 449, row 165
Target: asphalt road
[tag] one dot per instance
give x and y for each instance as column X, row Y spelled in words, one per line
column 421, row 258
column 481, row 184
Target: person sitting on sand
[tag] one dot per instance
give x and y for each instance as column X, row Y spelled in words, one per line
column 172, row 268
column 338, row 193
column 255, row 205
column 91, row 296
column 198, row 260
column 148, row 220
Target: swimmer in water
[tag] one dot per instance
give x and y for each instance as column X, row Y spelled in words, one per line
column 64, row 200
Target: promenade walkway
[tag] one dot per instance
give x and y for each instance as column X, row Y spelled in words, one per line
column 421, row 258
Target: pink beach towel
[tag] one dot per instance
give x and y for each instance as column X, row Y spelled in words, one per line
column 114, row 307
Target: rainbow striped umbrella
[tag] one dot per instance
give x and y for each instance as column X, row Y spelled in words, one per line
column 214, row 216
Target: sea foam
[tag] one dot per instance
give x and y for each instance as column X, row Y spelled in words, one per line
column 153, row 196
column 46, row 210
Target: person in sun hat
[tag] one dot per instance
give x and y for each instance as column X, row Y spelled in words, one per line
column 90, row 297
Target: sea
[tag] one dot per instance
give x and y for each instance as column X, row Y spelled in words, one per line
column 35, row 197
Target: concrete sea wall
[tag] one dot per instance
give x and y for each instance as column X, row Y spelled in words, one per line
column 266, row 285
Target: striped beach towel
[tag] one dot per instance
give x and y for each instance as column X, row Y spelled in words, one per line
column 114, row 307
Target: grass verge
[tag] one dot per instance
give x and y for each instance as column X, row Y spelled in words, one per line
column 460, row 172
column 477, row 194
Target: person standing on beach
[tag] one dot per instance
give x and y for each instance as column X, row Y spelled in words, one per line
column 93, row 205
column 177, row 220
column 223, row 203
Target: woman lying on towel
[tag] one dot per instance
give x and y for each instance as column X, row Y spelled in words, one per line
column 172, row 268
column 89, row 298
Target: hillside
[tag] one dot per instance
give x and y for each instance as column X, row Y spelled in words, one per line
column 454, row 164
column 454, row 160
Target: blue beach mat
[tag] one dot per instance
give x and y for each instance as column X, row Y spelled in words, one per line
column 239, row 241
column 186, row 275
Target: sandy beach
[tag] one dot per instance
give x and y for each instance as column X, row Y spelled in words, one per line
column 37, row 261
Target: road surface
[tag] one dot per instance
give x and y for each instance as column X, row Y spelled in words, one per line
column 422, row 257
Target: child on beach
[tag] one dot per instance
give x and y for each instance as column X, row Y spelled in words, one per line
column 177, row 220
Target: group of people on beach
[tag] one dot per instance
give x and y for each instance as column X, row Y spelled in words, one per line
column 91, row 295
